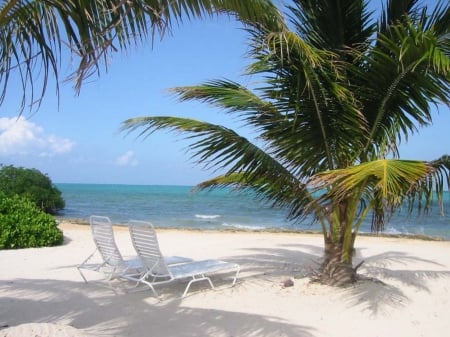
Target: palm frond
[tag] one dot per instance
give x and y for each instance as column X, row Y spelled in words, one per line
column 392, row 177
column 246, row 164
column 278, row 189
column 406, row 71
column 333, row 25
column 27, row 35
column 33, row 32
column 396, row 11
column 441, row 178
column 214, row 145
column 227, row 95
column 385, row 185
column 308, row 88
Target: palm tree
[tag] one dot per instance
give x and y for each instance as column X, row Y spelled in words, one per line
column 339, row 92
column 36, row 34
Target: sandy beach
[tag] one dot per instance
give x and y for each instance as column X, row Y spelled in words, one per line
column 405, row 291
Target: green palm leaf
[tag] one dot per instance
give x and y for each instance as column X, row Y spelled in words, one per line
column 406, row 70
column 34, row 33
column 247, row 165
column 394, row 179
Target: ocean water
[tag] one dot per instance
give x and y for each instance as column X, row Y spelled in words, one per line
column 180, row 207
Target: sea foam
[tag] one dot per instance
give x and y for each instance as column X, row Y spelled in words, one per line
column 247, row 227
column 207, row 217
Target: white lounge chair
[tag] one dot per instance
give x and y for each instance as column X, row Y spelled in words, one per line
column 155, row 269
column 113, row 265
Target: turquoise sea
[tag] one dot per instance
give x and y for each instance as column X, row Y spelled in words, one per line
column 179, row 207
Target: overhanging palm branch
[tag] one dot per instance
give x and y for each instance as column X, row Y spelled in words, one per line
column 24, row 40
column 246, row 164
column 34, row 34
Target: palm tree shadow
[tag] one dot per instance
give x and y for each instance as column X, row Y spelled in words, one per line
column 297, row 260
column 100, row 311
column 380, row 266
column 380, row 285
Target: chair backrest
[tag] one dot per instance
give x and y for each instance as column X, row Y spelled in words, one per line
column 103, row 234
column 145, row 242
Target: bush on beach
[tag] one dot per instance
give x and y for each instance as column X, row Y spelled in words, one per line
column 24, row 225
column 32, row 184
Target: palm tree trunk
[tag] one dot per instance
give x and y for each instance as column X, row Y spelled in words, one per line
column 335, row 270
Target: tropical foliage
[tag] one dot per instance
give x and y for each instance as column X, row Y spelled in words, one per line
column 337, row 92
column 23, row 225
column 36, row 35
column 32, row 185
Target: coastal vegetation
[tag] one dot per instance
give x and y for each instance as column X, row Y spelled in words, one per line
column 32, row 185
column 23, row 225
column 337, row 91
column 27, row 201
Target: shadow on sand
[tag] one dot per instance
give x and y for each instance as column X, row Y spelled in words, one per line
column 102, row 311
column 380, row 285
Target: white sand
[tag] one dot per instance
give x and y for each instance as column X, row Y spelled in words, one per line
column 43, row 295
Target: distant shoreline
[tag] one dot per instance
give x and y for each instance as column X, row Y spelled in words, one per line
column 223, row 210
column 84, row 222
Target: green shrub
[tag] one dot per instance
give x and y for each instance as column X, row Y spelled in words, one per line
column 32, row 184
column 23, row 225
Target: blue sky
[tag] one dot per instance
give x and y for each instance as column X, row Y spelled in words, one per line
column 79, row 142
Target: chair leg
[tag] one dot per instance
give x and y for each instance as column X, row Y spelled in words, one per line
column 194, row 279
column 236, row 276
column 80, row 266
column 153, row 290
column 82, row 275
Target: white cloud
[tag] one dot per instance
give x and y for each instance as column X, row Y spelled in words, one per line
column 20, row 136
column 127, row 159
